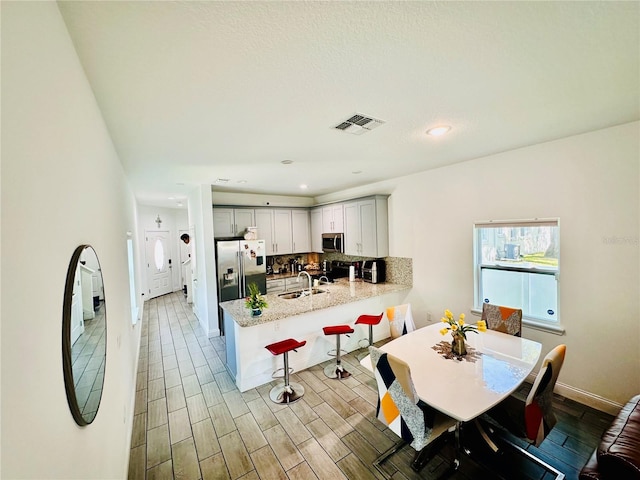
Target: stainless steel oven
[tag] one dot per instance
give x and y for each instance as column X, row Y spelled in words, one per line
column 333, row 242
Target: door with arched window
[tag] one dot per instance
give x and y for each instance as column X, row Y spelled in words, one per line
column 158, row 256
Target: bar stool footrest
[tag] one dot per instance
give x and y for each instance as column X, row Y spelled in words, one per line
column 334, row 353
column 279, row 373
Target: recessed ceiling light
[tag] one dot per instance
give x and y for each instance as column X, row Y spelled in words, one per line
column 357, row 172
column 179, row 204
column 242, row 181
column 439, row 130
column 222, row 180
column 286, row 162
column 172, row 198
column 303, row 186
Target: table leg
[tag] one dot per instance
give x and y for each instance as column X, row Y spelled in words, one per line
column 485, row 436
column 458, row 449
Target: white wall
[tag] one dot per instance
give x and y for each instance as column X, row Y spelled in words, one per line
column 62, row 186
column 591, row 182
column 205, row 303
column 173, row 220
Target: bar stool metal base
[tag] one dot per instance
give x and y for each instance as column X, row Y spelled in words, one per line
column 285, row 394
column 336, row 371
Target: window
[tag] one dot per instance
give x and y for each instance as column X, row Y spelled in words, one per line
column 517, row 264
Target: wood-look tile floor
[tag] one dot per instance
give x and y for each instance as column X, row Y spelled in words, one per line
column 191, row 422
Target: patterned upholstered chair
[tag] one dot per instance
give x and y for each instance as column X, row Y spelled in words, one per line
column 400, row 320
column 503, row 319
column 403, row 412
column 533, row 419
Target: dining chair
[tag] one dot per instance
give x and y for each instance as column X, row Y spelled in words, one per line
column 533, row 418
column 400, row 409
column 502, row 319
column 400, row 320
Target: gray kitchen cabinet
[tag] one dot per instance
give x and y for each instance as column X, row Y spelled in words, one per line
column 274, row 226
column 300, row 231
column 276, row 286
column 232, row 222
column 316, row 229
column 332, row 218
column 366, row 230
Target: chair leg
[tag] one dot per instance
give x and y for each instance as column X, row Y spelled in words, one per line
column 425, row 455
column 377, row 463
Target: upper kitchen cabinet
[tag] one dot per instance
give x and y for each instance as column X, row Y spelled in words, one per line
column 332, row 219
column 316, row 229
column 366, row 227
column 300, row 231
column 232, row 222
column 275, row 227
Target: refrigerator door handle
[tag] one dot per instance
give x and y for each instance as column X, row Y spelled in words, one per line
column 240, row 275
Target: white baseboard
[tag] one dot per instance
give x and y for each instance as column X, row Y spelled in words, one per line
column 586, row 398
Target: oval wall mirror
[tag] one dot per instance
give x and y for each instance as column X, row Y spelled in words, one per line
column 84, row 335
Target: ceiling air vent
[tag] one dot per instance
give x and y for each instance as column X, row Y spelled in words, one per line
column 359, row 124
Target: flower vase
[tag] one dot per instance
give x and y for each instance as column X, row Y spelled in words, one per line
column 458, row 346
column 256, row 312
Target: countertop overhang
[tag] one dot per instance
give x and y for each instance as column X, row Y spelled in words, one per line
column 340, row 292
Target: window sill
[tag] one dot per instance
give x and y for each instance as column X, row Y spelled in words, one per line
column 536, row 325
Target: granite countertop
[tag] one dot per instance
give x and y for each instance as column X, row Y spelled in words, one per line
column 340, row 292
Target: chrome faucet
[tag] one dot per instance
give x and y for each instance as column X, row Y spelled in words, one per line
column 309, row 277
column 326, row 279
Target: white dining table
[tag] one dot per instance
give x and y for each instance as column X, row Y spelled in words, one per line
column 464, row 389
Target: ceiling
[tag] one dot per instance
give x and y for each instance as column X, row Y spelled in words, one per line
column 194, row 92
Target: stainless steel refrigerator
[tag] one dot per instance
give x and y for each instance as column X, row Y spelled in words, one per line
column 240, row 263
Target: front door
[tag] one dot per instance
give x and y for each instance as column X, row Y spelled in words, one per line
column 158, row 256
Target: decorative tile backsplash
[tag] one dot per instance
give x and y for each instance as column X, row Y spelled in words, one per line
column 399, row 269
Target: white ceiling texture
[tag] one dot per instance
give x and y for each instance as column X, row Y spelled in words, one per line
column 197, row 92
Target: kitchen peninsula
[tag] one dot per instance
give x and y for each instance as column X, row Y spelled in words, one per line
column 341, row 302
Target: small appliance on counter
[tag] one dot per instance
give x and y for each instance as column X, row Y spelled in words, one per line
column 340, row 269
column 373, row 271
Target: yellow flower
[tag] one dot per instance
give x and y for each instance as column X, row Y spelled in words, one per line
column 459, row 327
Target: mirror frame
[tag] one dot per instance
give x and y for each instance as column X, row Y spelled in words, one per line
column 67, row 368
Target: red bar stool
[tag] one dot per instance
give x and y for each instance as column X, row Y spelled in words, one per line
column 370, row 320
column 288, row 392
column 336, row 370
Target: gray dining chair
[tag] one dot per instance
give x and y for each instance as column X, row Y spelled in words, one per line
column 400, row 409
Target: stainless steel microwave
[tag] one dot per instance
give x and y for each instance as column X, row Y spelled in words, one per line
column 333, row 242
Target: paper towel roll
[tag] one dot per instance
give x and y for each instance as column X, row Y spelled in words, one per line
column 352, row 273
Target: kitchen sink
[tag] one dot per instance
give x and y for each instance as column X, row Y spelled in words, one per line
column 300, row 293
